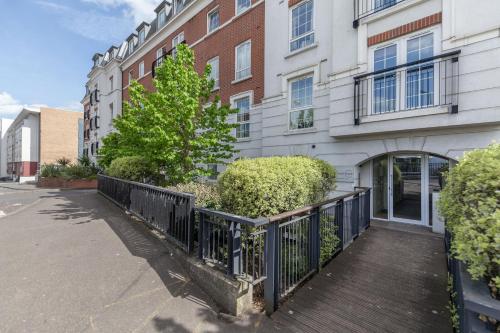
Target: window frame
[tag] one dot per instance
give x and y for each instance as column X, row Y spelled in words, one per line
column 213, row 11
column 111, row 83
column 141, row 69
column 217, row 81
column 160, row 13
column 233, row 100
column 130, row 76
column 243, row 10
column 141, row 36
column 131, row 46
column 303, row 108
column 236, row 78
column 177, row 41
column 292, row 39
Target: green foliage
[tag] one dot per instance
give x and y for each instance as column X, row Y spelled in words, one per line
column 134, row 168
column 470, row 203
column 63, row 161
column 272, row 185
column 207, row 195
column 77, row 171
column 50, row 170
column 179, row 128
column 329, row 239
column 454, row 317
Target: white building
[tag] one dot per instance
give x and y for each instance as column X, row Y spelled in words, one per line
column 4, row 125
column 389, row 99
column 103, row 99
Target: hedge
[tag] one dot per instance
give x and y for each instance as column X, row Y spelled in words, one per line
column 206, row 194
column 132, row 168
column 271, row 185
column 470, row 203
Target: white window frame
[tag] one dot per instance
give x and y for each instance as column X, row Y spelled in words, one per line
column 159, row 54
column 243, row 10
column 236, row 78
column 130, row 76
column 142, row 36
column 176, row 41
column 233, row 99
column 141, row 69
column 213, row 11
column 160, row 13
column 111, row 83
column 402, row 45
column 176, row 9
column 131, row 46
column 217, row 80
column 290, row 27
column 303, row 108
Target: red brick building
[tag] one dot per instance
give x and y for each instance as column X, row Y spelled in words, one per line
column 227, row 32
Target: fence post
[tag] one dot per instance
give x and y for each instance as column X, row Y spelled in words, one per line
column 271, row 283
column 191, row 221
column 368, row 207
column 234, row 249
column 201, row 237
column 315, row 240
column 355, row 215
column 339, row 221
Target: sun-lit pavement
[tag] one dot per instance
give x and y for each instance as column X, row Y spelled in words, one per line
column 73, row 262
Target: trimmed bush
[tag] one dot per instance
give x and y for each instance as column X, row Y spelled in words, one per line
column 133, row 168
column 272, row 185
column 207, row 195
column 470, row 203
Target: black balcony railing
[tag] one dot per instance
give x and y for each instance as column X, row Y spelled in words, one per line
column 364, row 8
column 426, row 83
column 158, row 61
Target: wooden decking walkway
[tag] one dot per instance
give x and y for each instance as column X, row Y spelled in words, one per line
column 392, row 279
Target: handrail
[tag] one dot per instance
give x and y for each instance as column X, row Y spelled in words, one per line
column 235, row 218
column 151, row 187
column 409, row 64
column 306, row 209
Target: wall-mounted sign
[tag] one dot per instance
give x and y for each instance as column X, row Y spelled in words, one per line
column 345, row 174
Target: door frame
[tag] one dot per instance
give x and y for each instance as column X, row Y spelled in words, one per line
column 424, row 201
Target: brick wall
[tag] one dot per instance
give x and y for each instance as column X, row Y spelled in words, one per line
column 405, row 29
column 58, row 134
column 221, row 43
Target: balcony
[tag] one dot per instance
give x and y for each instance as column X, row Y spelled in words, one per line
column 365, row 8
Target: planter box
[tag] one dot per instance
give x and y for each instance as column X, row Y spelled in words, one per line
column 59, row 182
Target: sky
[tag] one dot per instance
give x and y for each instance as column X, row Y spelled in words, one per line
column 46, row 47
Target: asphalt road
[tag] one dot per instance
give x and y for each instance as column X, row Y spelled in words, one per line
column 71, row 261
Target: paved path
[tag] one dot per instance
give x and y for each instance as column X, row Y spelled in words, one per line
column 392, row 279
column 73, row 262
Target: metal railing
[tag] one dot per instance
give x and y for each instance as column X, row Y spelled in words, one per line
column 471, row 299
column 426, row 83
column 364, row 8
column 169, row 212
column 158, row 61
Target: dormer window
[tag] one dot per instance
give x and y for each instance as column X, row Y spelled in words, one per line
column 131, row 46
column 178, row 5
column 142, row 36
column 162, row 18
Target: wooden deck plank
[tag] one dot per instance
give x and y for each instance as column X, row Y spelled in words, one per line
column 388, row 280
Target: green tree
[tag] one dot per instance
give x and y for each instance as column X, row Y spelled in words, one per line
column 179, row 128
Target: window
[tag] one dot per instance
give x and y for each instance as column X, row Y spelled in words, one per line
column 141, row 69
column 301, row 114
column 242, row 5
column 162, row 18
column 302, row 27
column 243, row 117
column 111, row 84
column 214, row 75
column 142, row 36
column 382, row 4
column 243, row 60
column 213, row 171
column 130, row 77
column 111, row 112
column 384, row 86
column 178, row 5
column 213, row 20
column 131, row 46
column 420, row 78
column 176, row 41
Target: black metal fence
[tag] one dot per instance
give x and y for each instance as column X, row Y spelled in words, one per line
column 364, row 8
column 477, row 311
column 169, row 212
column 281, row 251
column 426, row 83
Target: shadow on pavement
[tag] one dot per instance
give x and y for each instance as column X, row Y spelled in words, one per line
column 90, row 207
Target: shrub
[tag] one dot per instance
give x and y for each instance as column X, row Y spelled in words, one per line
column 133, row 168
column 50, row 170
column 470, row 203
column 63, row 161
column 77, row 171
column 272, row 185
column 206, row 194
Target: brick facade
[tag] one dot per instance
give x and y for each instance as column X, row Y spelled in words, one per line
column 405, row 29
column 292, row 3
column 221, row 43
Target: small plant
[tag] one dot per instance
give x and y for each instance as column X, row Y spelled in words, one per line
column 454, row 316
column 63, row 161
column 329, row 239
column 50, row 170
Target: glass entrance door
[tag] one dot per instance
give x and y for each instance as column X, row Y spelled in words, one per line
column 406, row 188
